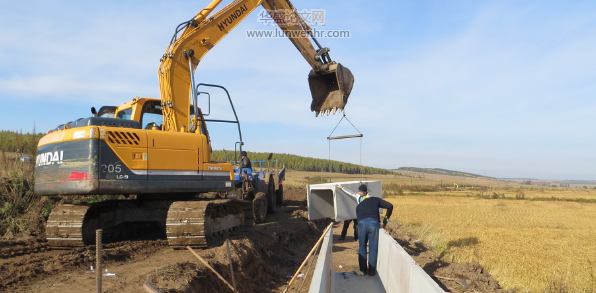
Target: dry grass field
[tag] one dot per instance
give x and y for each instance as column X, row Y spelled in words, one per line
column 300, row 178
column 531, row 246
column 546, row 245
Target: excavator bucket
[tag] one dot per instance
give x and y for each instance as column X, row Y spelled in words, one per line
column 330, row 89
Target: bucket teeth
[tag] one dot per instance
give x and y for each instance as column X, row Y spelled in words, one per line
column 328, row 112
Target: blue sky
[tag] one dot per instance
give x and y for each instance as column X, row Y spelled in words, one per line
column 499, row 88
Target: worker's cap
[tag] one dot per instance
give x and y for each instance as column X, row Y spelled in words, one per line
column 363, row 188
column 243, row 153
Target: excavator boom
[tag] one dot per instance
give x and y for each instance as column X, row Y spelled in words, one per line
column 330, row 82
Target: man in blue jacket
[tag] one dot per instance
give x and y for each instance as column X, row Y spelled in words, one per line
column 367, row 213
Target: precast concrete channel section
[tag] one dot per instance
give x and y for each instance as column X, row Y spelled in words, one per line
column 397, row 272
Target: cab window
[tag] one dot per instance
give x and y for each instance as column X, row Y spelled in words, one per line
column 125, row 114
column 151, row 114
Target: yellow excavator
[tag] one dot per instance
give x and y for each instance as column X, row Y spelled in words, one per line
column 159, row 150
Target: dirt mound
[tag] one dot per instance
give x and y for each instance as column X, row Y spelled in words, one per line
column 27, row 245
column 261, row 260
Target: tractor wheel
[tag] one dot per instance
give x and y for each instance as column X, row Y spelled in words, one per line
column 249, row 194
column 271, row 196
column 259, row 207
column 279, row 194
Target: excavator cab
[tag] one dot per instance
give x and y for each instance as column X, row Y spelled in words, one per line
column 330, row 88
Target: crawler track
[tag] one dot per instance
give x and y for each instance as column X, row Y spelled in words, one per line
column 64, row 228
column 183, row 223
column 193, row 223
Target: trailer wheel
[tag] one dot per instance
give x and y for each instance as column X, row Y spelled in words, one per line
column 279, row 194
column 271, row 196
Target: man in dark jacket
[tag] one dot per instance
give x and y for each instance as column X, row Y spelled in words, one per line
column 245, row 163
column 367, row 213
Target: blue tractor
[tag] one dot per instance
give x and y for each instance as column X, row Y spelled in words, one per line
column 259, row 187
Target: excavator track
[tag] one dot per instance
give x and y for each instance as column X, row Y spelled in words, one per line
column 184, row 223
column 64, row 228
column 71, row 226
column 194, row 223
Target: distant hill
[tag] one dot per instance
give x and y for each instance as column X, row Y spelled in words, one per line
column 551, row 182
column 439, row 171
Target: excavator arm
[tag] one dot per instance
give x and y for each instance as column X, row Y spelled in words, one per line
column 330, row 82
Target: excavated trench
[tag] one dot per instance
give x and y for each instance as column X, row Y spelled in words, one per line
column 264, row 257
column 261, row 262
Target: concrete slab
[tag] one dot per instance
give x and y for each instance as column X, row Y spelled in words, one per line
column 397, row 271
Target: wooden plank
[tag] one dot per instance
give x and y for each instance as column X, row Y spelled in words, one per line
column 314, row 248
column 150, row 288
column 211, row 268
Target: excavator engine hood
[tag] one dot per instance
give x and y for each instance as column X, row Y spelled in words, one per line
column 330, row 88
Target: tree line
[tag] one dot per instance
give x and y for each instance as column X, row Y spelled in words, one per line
column 439, row 171
column 16, row 142
column 300, row 163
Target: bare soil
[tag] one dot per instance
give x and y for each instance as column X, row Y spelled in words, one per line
column 264, row 257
